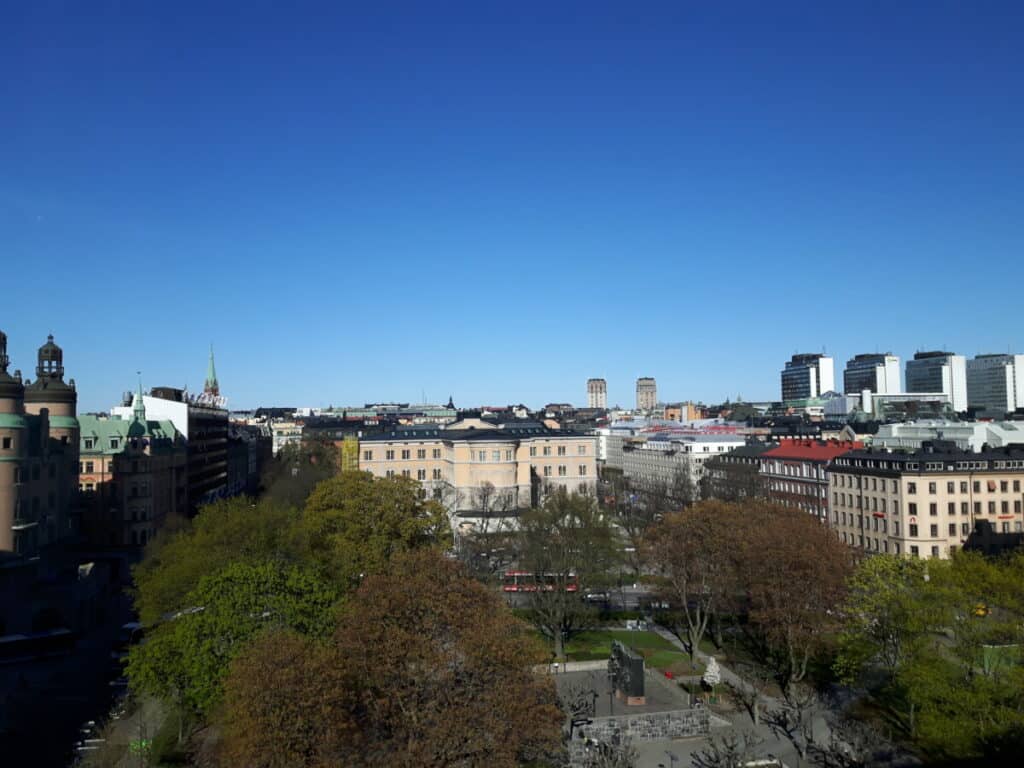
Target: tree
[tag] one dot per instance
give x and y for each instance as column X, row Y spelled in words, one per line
column 225, row 531
column 482, row 548
column 288, row 704
column 694, row 552
column 297, row 469
column 794, row 570
column 354, row 522
column 730, row 750
column 881, row 616
column 185, row 659
column 563, row 542
column 634, row 515
column 425, row 668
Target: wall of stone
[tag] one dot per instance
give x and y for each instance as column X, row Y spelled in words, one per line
column 675, row 724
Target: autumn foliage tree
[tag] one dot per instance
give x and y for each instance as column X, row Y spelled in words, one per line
column 425, row 668
column 794, row 571
column 695, row 554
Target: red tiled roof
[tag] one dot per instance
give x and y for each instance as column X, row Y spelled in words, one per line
column 812, row 450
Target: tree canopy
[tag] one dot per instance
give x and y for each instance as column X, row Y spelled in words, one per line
column 425, row 668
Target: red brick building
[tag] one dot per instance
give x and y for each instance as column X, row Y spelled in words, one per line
column 795, row 475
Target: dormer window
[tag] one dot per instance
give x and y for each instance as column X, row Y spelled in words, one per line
column 89, row 443
column 114, row 443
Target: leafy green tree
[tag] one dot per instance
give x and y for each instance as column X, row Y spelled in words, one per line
column 354, row 522
column 882, row 617
column 185, row 659
column 235, row 529
column 297, row 469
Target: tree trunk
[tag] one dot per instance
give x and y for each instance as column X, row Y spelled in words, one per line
column 716, row 631
column 559, row 645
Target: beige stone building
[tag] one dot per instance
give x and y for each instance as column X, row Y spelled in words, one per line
column 487, row 467
column 924, row 504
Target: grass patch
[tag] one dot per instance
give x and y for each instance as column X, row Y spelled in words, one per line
column 658, row 653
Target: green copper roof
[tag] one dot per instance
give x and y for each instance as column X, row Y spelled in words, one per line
column 12, row 421
column 64, row 422
column 102, row 430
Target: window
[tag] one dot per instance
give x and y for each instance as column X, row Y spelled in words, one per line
column 389, row 473
column 495, row 455
column 561, row 470
column 583, row 470
column 950, row 487
column 933, row 531
column 931, row 487
column 952, row 507
column 991, row 507
column 963, row 487
column 533, row 450
column 367, row 455
column 89, row 466
column 965, row 529
column 977, row 486
column 508, row 455
column 935, row 551
column 913, row 551
column 547, row 450
column 913, row 530
column 389, row 455
column 1016, row 486
column 114, row 443
column 405, row 473
column 437, row 494
column 437, row 474
column 1004, row 486
column 405, row 454
column 933, row 509
column 482, row 455
column 952, row 529
column 547, row 471
column 912, row 508
column 436, row 453
column 582, row 451
column 89, row 443
column 911, row 487
column 977, row 507
column 7, row 443
column 561, row 450
column 421, row 474
column 1005, row 507
column 421, row 453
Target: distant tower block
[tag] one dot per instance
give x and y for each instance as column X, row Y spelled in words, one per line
column 646, row 394
column 597, row 393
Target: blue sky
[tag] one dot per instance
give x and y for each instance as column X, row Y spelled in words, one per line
column 378, row 201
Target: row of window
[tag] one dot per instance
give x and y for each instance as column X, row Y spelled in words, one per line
column 990, row 485
column 405, row 454
column 562, row 470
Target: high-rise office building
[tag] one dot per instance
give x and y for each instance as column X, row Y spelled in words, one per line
column 597, row 393
column 939, row 372
column 878, row 373
column 995, row 384
column 808, row 375
column 646, row 394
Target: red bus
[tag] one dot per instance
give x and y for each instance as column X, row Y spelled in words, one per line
column 525, row 581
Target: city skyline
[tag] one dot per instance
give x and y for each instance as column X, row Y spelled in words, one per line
column 337, row 199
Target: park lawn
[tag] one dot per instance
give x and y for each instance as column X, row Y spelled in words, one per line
column 658, row 653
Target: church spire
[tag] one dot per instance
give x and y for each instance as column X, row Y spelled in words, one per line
column 139, row 407
column 211, row 387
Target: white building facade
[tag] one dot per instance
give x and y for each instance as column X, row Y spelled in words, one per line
column 877, row 373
